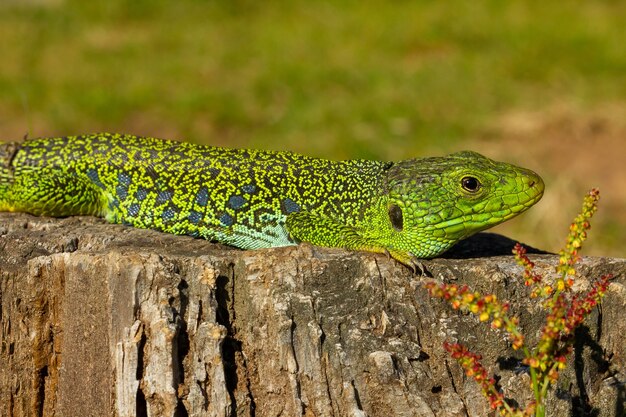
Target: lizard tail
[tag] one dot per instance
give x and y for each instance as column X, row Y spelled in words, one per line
column 7, row 151
column 47, row 190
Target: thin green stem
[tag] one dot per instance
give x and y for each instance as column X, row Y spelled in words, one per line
column 535, row 385
column 547, row 382
column 540, row 410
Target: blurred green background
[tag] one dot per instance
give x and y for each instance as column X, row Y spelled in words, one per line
column 537, row 83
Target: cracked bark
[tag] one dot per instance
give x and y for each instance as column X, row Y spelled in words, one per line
column 99, row 319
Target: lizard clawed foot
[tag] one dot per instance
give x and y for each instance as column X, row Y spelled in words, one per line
column 417, row 264
column 410, row 260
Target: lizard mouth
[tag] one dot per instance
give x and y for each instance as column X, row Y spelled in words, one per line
column 529, row 195
column 533, row 194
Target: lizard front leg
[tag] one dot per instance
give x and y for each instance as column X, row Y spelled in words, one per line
column 322, row 230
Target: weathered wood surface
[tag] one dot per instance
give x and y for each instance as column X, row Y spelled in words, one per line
column 107, row 320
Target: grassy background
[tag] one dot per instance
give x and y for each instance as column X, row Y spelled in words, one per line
column 541, row 84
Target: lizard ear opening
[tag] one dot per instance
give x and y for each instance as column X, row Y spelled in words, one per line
column 395, row 215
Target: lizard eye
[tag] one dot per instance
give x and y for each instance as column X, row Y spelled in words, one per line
column 470, row 184
column 395, row 215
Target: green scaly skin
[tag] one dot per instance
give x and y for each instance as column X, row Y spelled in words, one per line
column 412, row 209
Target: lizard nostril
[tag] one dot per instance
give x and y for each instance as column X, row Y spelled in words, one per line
column 532, row 183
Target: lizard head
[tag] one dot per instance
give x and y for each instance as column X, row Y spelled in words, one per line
column 432, row 203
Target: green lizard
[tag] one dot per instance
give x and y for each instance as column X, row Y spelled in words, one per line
column 417, row 208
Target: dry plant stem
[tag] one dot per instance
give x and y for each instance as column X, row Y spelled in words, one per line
column 565, row 313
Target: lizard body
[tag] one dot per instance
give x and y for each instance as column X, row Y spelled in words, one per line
column 412, row 209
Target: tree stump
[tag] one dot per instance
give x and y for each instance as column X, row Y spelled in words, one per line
column 107, row 320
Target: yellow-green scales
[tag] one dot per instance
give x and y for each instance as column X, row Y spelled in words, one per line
column 247, row 198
